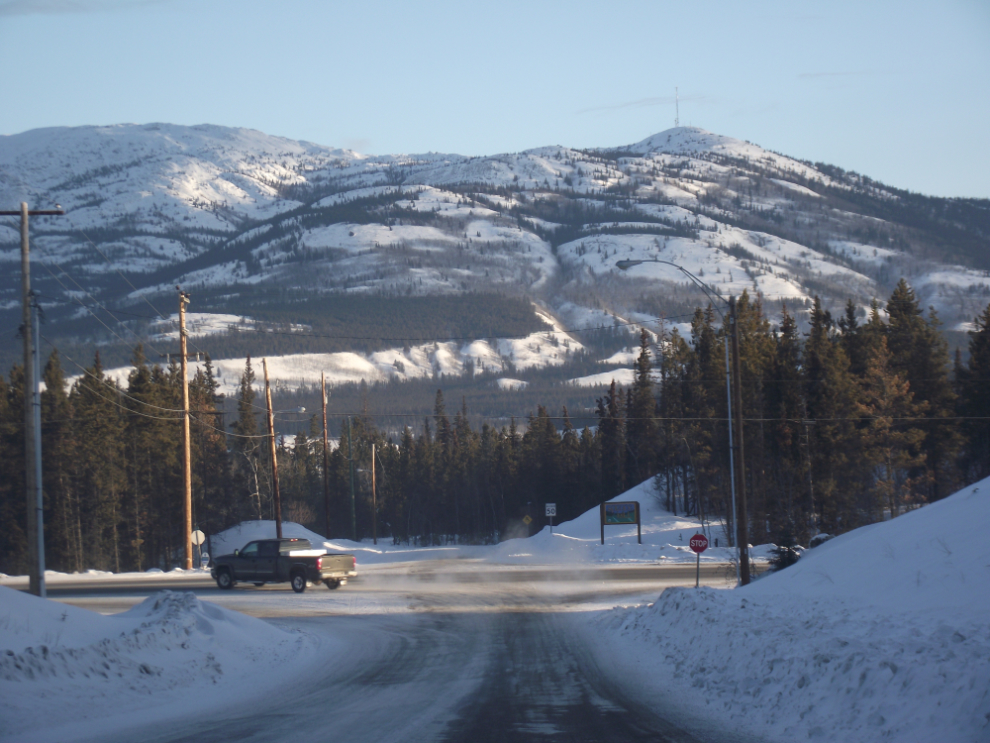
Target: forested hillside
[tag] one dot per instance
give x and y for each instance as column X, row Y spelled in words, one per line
column 842, row 424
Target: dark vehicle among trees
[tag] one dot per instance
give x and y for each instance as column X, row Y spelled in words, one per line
column 281, row 560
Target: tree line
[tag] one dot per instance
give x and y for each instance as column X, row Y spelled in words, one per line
column 843, row 425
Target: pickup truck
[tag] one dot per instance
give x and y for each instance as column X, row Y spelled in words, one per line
column 279, row 560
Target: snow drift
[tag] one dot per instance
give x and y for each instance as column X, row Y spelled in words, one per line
column 665, row 541
column 170, row 648
column 880, row 634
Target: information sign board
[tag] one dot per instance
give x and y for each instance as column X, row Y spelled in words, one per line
column 621, row 513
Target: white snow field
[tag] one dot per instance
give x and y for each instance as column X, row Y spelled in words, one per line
column 880, row 634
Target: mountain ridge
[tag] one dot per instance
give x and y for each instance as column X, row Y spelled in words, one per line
column 227, row 211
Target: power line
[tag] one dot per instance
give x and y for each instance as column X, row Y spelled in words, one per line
column 90, row 311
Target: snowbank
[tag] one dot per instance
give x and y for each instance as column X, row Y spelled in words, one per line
column 170, row 649
column 665, row 541
column 665, row 538
column 880, row 634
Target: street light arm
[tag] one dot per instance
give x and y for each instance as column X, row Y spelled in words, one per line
column 708, row 290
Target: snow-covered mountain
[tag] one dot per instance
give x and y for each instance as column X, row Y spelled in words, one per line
column 226, row 211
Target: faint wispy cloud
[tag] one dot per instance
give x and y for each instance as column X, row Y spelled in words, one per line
column 849, row 73
column 65, row 7
column 640, row 103
column 358, row 144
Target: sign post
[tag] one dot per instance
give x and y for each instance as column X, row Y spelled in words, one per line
column 615, row 513
column 197, row 537
column 699, row 543
column 551, row 512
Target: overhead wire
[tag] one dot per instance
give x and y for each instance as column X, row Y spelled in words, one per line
column 90, row 311
column 123, row 394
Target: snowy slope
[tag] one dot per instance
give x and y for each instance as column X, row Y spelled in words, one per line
column 880, row 634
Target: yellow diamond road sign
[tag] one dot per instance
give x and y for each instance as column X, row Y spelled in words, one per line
column 527, row 520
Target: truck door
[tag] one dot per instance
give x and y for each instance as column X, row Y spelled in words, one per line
column 267, row 561
column 246, row 562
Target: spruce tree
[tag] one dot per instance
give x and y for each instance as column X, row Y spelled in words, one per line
column 641, row 429
column 919, row 351
column 612, row 441
column 831, row 396
column 891, row 445
column 974, row 400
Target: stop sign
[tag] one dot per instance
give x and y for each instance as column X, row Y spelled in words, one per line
column 699, row 543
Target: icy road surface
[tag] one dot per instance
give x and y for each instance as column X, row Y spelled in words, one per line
column 439, row 652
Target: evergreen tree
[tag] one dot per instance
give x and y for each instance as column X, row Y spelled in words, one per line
column 641, row 430
column 891, row 445
column 920, row 353
column 612, row 442
column 974, row 400
column 787, row 453
column 831, row 396
column 13, row 502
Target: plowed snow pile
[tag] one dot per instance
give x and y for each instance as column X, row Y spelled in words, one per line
column 880, row 634
column 60, row 665
column 665, row 539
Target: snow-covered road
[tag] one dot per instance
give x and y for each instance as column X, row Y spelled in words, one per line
column 426, row 657
column 433, row 651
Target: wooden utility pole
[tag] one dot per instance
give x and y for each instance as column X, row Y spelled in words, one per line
column 350, row 459
column 186, row 453
column 271, row 437
column 32, row 411
column 374, row 500
column 326, row 458
column 742, row 521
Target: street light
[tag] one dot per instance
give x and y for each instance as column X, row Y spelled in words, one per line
column 625, row 265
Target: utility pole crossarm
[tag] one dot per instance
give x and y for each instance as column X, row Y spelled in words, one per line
column 35, row 213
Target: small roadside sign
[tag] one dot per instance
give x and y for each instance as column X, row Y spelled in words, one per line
column 551, row 509
column 527, row 519
column 198, row 537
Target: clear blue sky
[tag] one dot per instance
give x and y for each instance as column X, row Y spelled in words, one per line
column 897, row 90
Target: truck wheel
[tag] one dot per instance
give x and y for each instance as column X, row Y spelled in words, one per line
column 225, row 580
column 331, row 583
column 298, row 582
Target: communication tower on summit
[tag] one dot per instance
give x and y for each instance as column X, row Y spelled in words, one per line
column 677, row 109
